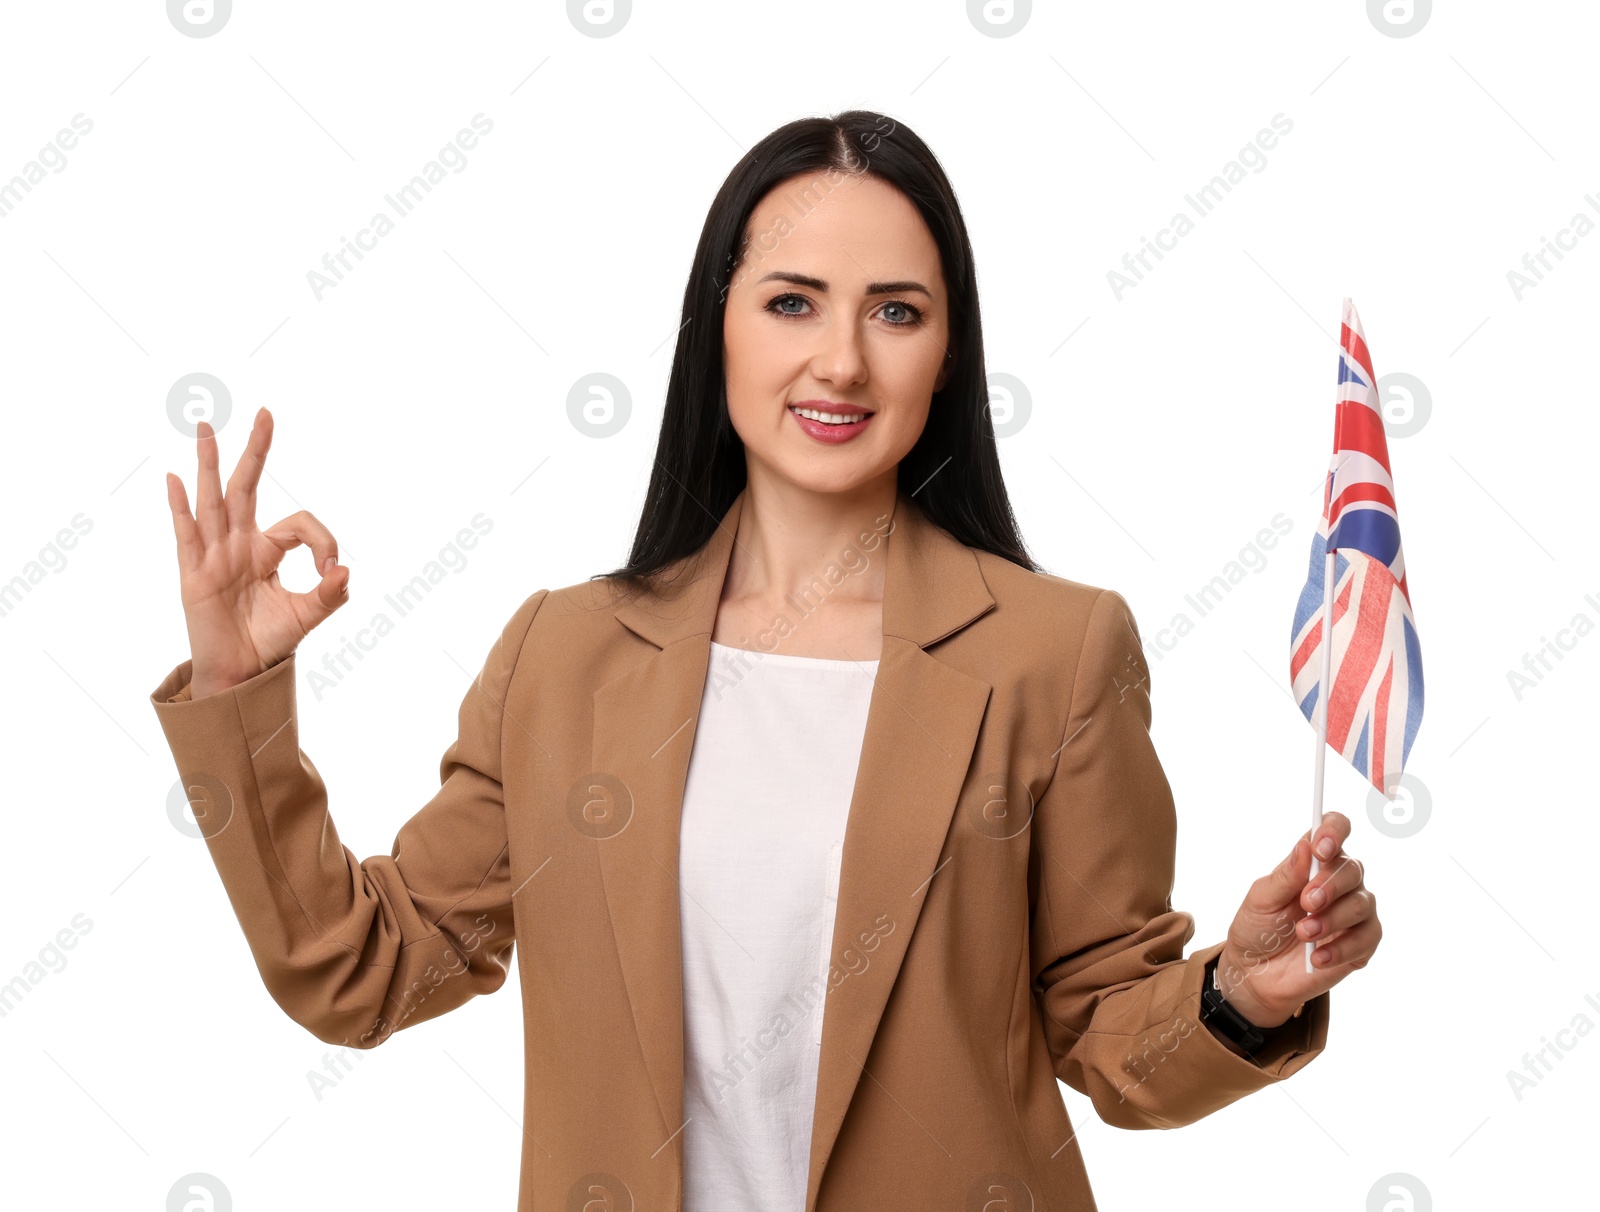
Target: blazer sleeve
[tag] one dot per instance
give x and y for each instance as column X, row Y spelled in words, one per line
column 1119, row 1002
column 352, row 949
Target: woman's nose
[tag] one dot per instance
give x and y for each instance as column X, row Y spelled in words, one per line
column 841, row 357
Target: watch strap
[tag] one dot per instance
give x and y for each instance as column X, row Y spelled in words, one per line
column 1216, row 1011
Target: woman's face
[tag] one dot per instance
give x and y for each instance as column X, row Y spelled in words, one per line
column 839, row 307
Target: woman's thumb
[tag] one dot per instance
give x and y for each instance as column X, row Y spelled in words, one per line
column 1283, row 884
column 330, row 593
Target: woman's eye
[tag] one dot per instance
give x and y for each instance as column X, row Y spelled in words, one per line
column 896, row 313
column 901, row 314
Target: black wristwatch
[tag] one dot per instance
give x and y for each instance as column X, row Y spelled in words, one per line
column 1216, row 1012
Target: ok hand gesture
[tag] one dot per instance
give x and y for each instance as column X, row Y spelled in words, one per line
column 241, row 619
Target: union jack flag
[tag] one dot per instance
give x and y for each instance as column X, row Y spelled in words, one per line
column 1375, row 705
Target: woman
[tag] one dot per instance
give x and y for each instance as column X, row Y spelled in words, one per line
column 829, row 828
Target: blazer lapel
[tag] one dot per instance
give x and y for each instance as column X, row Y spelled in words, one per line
column 922, row 724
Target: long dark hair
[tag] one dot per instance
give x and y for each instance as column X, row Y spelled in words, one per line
column 953, row 471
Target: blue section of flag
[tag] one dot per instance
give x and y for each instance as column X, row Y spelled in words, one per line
column 1360, row 758
column 1414, row 699
column 1368, row 530
column 1310, row 601
column 1309, row 703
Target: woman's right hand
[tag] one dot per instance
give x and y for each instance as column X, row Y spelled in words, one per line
column 241, row 619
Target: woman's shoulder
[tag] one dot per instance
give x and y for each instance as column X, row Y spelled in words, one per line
column 574, row 628
column 566, row 613
column 556, row 640
column 1061, row 605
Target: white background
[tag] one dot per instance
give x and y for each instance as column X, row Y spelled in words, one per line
column 1167, row 428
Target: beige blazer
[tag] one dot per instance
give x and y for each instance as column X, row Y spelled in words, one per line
column 1004, row 910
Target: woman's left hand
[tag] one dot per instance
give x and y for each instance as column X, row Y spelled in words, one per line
column 1262, row 968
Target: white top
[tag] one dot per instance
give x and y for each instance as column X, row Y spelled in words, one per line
column 764, row 811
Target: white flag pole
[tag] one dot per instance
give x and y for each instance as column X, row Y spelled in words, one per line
column 1321, row 713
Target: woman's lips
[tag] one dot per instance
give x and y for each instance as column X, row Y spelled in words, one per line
column 822, row 431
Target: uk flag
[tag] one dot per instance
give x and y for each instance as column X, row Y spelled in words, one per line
column 1375, row 701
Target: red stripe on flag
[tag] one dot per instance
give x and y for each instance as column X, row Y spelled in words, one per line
column 1357, row 348
column 1307, row 647
column 1363, row 491
column 1313, row 638
column 1360, row 658
column 1360, row 429
column 1380, row 726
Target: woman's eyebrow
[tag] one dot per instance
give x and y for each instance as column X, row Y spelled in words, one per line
column 873, row 288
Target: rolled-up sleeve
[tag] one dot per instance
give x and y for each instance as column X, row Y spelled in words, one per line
column 352, row 949
column 1119, row 1002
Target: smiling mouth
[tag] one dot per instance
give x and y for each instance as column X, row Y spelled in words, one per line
column 830, row 418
